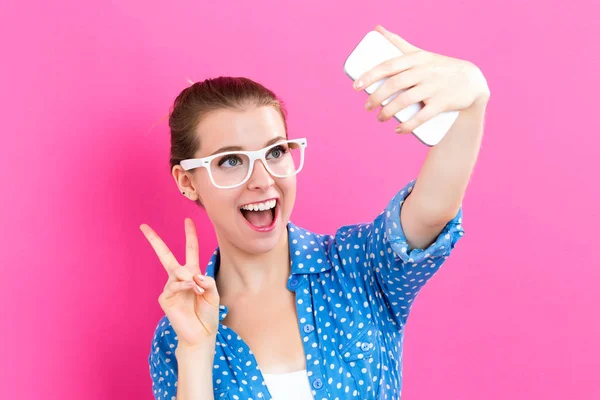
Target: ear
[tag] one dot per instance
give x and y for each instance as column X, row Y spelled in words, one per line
column 400, row 43
column 184, row 181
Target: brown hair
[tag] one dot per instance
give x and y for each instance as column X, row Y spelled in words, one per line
column 197, row 100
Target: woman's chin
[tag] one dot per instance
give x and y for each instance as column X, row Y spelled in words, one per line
column 253, row 239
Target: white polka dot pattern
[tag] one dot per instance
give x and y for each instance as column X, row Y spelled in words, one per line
column 354, row 292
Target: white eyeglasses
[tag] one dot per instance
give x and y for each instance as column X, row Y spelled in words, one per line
column 233, row 168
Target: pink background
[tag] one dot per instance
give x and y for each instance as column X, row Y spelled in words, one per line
column 84, row 152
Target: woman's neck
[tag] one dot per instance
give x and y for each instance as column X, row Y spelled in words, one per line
column 245, row 273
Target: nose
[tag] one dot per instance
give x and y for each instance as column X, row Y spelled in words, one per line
column 260, row 178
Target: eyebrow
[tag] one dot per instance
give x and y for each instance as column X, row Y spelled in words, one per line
column 236, row 148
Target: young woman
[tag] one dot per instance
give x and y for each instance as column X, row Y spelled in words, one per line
column 283, row 312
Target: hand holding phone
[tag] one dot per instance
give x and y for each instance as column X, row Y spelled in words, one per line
column 373, row 50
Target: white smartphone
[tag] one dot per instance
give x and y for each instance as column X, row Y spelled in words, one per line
column 374, row 49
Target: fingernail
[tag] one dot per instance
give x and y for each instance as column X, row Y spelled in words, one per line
column 201, row 277
column 358, row 84
column 199, row 289
column 367, row 105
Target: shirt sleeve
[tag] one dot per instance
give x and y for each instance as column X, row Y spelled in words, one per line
column 162, row 362
column 379, row 255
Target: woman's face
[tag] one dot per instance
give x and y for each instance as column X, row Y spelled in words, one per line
column 250, row 129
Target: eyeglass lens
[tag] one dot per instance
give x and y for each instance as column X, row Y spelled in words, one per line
column 283, row 160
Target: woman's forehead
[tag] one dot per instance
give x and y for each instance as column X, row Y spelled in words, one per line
column 248, row 129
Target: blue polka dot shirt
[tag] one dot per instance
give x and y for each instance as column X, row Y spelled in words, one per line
column 354, row 291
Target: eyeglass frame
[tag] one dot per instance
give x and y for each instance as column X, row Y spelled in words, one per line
column 253, row 155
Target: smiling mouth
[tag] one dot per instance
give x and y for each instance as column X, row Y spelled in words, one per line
column 258, row 215
column 261, row 220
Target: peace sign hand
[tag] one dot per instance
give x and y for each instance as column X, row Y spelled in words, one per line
column 189, row 299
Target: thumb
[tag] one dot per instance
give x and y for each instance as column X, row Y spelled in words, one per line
column 210, row 295
column 400, row 43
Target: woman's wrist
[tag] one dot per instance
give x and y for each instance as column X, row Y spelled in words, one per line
column 195, row 366
column 204, row 350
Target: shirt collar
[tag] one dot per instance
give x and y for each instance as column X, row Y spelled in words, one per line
column 308, row 251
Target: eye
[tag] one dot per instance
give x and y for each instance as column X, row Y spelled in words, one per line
column 230, row 161
column 277, row 152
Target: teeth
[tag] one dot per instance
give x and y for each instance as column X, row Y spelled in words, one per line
column 267, row 205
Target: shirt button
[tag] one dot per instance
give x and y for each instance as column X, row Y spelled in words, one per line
column 318, row 384
column 294, row 283
column 365, row 346
column 308, row 328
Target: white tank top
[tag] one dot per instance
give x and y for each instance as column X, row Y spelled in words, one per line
column 289, row 386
